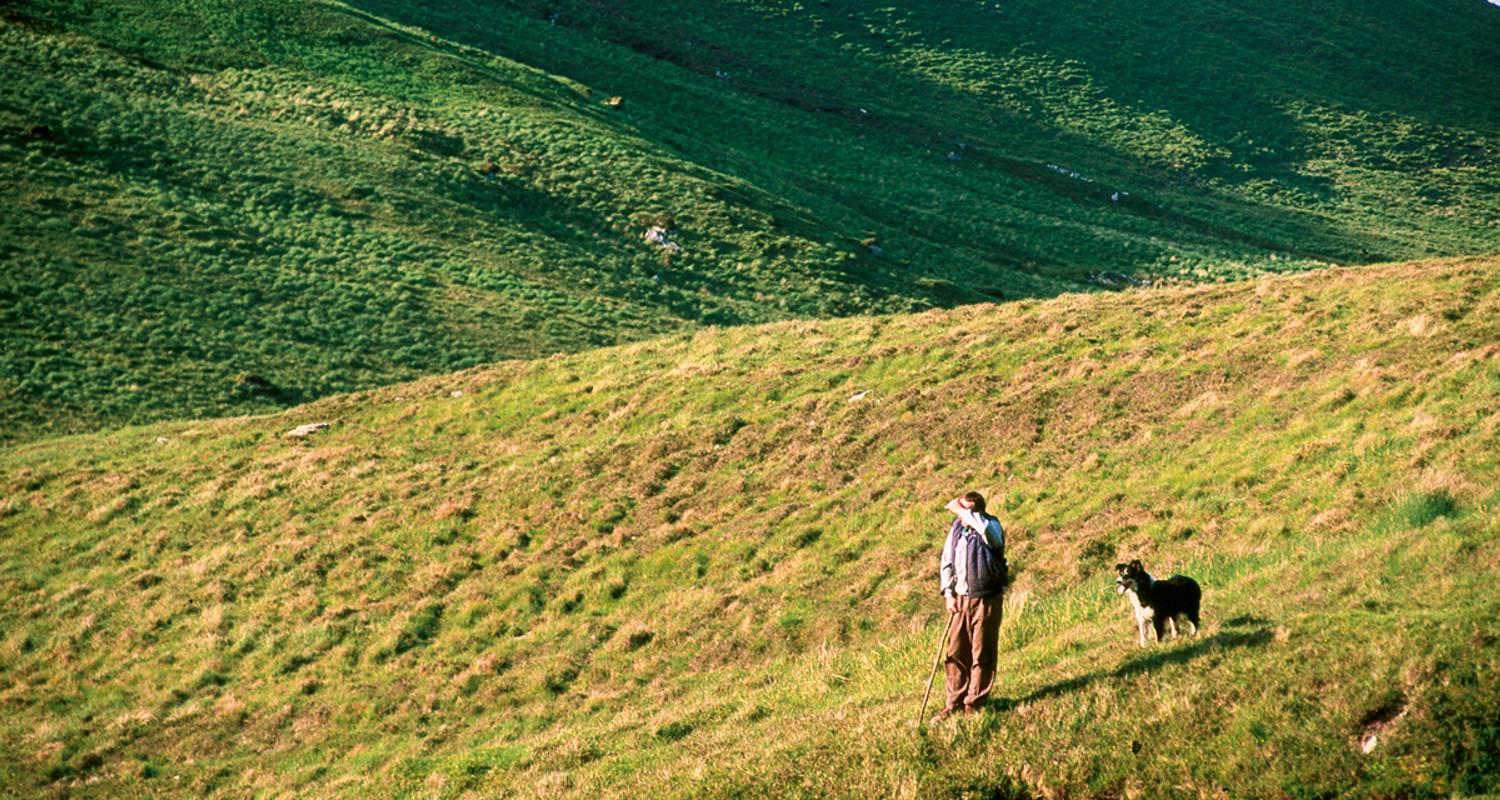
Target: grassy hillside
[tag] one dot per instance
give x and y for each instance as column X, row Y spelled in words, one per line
column 704, row 565
column 231, row 207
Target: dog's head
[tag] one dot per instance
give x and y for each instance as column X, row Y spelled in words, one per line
column 1130, row 576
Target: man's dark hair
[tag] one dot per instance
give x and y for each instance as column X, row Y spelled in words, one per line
column 977, row 500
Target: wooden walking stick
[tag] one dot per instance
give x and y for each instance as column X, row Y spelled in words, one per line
column 942, row 647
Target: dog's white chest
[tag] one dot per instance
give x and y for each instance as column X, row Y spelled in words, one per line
column 1142, row 613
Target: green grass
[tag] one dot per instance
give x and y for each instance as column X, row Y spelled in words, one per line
column 234, row 207
column 698, row 566
column 1422, row 509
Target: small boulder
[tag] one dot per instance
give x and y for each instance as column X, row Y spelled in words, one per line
column 307, row 430
column 661, row 237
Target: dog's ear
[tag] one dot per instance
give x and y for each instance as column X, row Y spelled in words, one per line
column 1136, row 565
column 1120, row 568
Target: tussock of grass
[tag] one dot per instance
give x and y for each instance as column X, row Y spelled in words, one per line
column 698, row 566
column 1422, row 509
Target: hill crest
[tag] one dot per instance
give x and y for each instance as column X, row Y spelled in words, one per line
column 234, row 207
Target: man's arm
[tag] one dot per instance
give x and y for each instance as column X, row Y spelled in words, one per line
column 988, row 526
column 956, row 507
column 947, row 576
column 969, row 517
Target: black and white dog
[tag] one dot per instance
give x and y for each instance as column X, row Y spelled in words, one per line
column 1158, row 602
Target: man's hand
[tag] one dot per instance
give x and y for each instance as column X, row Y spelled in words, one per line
column 951, row 603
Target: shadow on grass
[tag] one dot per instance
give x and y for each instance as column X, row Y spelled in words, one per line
column 1157, row 659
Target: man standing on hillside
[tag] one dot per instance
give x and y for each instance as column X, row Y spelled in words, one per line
column 973, row 573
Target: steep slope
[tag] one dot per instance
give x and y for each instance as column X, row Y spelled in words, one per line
column 229, row 207
column 704, row 565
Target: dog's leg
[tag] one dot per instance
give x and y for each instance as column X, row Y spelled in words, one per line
column 1172, row 623
column 1140, row 629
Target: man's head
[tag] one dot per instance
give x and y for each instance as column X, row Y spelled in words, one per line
column 974, row 500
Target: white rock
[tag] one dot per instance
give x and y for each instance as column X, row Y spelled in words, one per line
column 304, row 430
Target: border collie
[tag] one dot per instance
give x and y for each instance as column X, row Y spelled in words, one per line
column 1158, row 602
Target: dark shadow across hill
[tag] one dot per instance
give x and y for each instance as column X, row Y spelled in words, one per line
column 1138, row 66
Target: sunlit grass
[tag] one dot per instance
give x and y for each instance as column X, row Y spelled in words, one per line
column 505, row 581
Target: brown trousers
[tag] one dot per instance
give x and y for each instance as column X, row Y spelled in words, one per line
column 972, row 643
